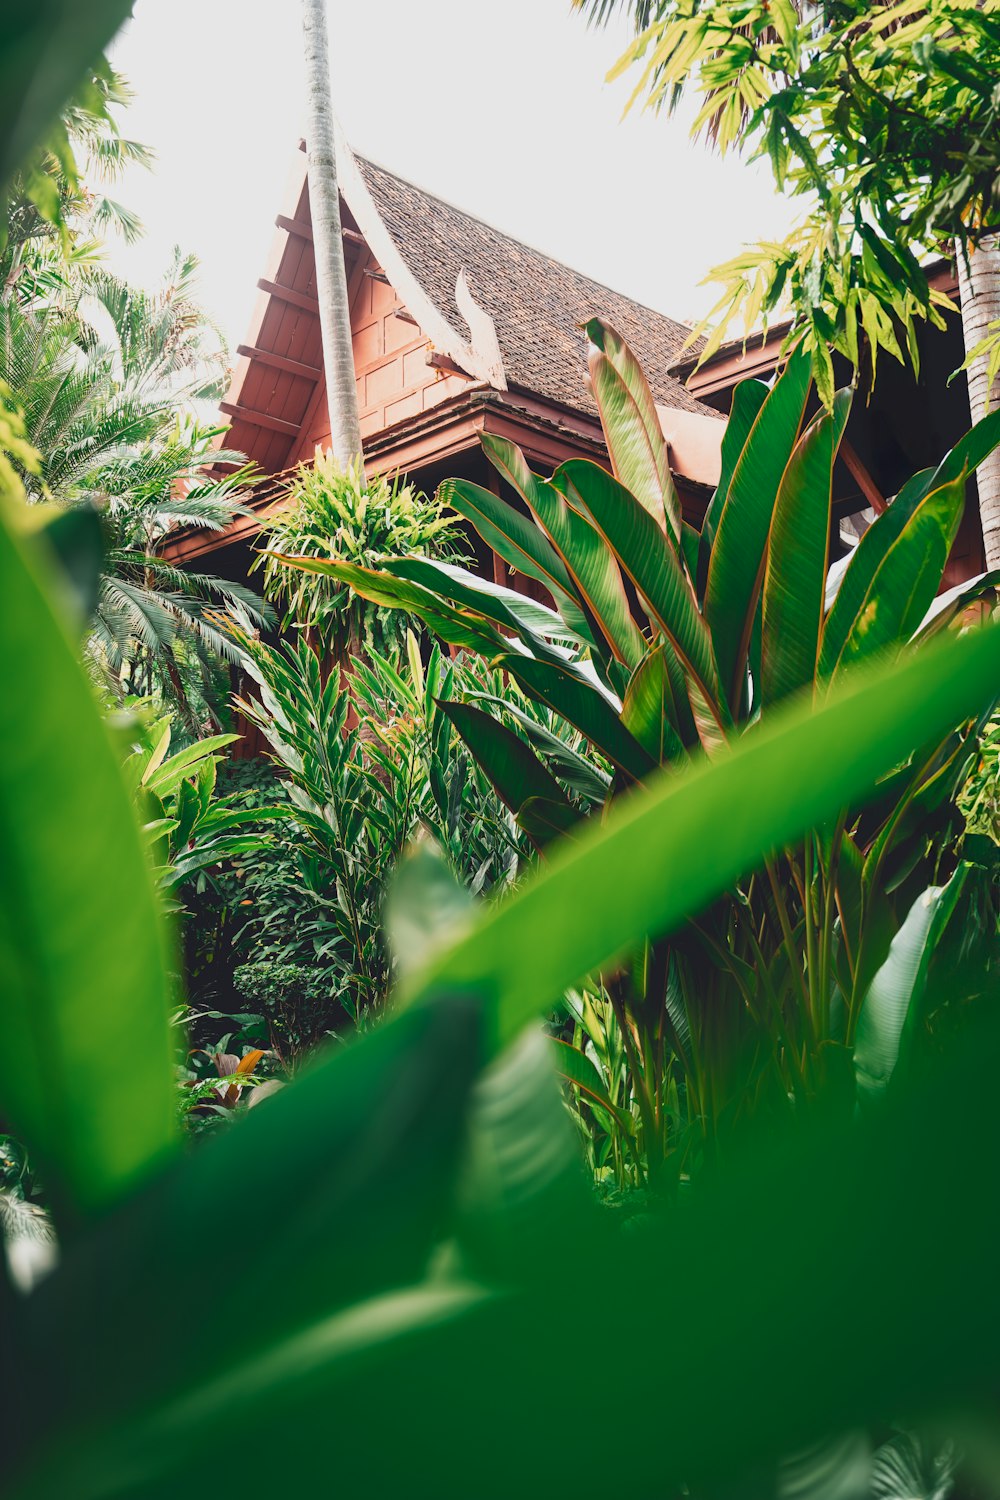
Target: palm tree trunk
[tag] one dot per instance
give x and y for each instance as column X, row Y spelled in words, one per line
column 979, row 287
column 328, row 240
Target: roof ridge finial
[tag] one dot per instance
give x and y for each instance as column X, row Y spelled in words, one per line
column 482, row 331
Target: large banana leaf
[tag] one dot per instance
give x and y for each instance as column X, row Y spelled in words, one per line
column 735, row 566
column 648, row 710
column 890, row 1007
column 506, row 607
column 592, row 566
column 653, row 566
column 86, row 1062
column 514, row 769
column 578, row 772
column 748, row 398
column 519, row 542
column 632, row 431
column 903, row 584
column 656, row 857
column 462, row 626
column 872, row 550
column 565, row 690
column 797, row 552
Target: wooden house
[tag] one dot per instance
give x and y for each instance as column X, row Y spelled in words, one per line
column 458, row 329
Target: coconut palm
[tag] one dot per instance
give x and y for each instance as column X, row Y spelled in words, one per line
column 151, row 612
column 328, row 240
column 100, row 379
column 53, row 213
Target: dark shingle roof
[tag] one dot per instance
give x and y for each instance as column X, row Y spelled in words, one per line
column 536, row 303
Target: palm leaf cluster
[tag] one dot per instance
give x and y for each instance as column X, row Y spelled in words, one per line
column 107, row 378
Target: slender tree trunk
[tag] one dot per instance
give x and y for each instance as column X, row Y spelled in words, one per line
column 328, row 240
column 979, row 287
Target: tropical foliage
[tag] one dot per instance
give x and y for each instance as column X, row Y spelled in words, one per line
column 332, row 512
column 359, row 795
column 364, row 1149
column 691, row 839
column 882, row 118
column 107, row 379
column 665, row 647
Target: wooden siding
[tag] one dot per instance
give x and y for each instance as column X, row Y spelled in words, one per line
column 394, row 379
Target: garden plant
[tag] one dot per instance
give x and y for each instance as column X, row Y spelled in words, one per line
column 713, row 829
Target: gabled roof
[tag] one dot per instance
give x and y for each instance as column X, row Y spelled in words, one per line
column 536, row 304
column 504, row 317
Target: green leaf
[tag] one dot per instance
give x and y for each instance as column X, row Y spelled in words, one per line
column 592, row 567
column 587, row 779
column 736, row 564
column 524, row 1204
column 586, row 707
column 903, row 584
column 48, row 49
column 426, row 908
column 576, row 1067
column 651, row 563
column 874, row 546
column 890, row 1006
column 795, row 574
column 458, row 626
column 748, row 398
column 505, row 607
column 74, row 535
column 165, row 778
column 514, row 769
column 651, row 863
column 363, row 1146
column 648, row 709
column 632, row 432
column 520, row 543
column 86, row 1066
column 458, row 1350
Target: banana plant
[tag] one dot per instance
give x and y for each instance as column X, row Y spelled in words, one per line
column 417, row 1293
column 435, row 1239
column 663, row 645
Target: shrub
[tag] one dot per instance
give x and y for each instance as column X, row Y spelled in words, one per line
column 333, row 513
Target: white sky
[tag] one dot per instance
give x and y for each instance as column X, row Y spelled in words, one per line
column 500, row 108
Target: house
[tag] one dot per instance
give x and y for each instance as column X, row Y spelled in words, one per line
column 458, row 329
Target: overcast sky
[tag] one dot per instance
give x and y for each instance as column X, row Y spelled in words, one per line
column 500, row 107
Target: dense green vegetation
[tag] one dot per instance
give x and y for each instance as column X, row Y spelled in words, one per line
column 564, row 1062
